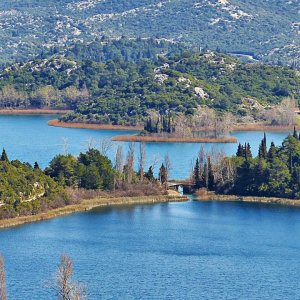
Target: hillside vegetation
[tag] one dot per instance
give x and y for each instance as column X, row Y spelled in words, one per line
column 268, row 30
column 126, row 92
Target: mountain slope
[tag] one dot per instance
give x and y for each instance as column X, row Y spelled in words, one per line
column 268, row 29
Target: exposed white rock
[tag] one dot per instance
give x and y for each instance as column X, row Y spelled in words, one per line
column 199, row 92
column 161, row 78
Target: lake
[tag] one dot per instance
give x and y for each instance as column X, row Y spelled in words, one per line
column 186, row 250
column 189, row 250
column 29, row 138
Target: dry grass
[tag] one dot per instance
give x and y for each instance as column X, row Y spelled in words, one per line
column 262, row 127
column 89, row 204
column 33, row 111
column 204, row 195
column 57, row 123
column 166, row 139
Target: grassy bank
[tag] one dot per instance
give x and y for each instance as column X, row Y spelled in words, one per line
column 33, row 111
column 57, row 123
column 210, row 196
column 166, row 139
column 262, row 127
column 86, row 205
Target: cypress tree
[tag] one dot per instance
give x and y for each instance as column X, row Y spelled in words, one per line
column 197, row 178
column 262, row 151
column 240, row 151
column 295, row 134
column 272, row 152
column 205, row 175
column 4, row 155
column 162, row 174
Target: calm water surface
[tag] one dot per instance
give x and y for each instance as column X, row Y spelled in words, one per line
column 187, row 250
column 29, row 138
column 167, row 251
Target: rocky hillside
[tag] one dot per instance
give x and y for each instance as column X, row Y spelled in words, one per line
column 268, row 30
column 122, row 92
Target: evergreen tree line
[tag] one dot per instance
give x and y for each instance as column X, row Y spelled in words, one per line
column 274, row 172
column 163, row 123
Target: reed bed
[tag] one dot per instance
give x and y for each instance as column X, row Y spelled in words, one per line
column 89, row 204
column 58, row 123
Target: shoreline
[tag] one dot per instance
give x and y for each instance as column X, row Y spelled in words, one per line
column 38, row 111
column 57, row 123
column 87, row 205
column 248, row 199
column 262, row 127
column 162, row 139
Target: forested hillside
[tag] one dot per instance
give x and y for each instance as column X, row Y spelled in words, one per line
column 269, row 30
column 124, row 92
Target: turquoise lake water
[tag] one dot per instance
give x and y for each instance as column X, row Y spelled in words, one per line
column 29, row 138
column 188, row 250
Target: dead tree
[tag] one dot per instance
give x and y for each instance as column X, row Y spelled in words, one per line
column 119, row 165
column 130, row 163
column 106, row 145
column 168, row 166
column 142, row 159
column 3, row 295
column 66, row 289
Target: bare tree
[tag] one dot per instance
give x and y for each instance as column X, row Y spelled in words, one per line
column 130, row 163
column 66, row 289
column 106, row 145
column 142, row 159
column 119, row 165
column 3, row 295
column 65, row 145
column 168, row 166
column 89, row 144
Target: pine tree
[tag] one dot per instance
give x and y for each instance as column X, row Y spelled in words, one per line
column 36, row 166
column 4, row 156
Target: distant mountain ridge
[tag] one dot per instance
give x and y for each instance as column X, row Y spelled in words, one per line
column 269, row 30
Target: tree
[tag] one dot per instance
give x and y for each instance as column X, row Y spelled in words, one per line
column 65, row 288
column 210, row 175
column 168, row 166
column 130, row 163
column 3, row 294
column 295, row 134
column 36, row 166
column 272, row 152
column 142, row 159
column 240, row 151
column 4, row 156
column 150, row 174
column 163, row 174
column 197, row 176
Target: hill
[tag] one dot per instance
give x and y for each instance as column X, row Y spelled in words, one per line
column 267, row 30
column 125, row 92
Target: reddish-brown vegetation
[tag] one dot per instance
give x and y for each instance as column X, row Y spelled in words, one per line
column 33, row 111
column 57, row 123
